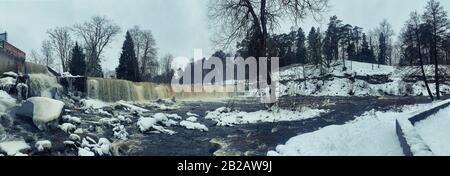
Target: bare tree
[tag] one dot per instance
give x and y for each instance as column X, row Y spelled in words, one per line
column 146, row 51
column 36, row 58
column 47, row 53
column 97, row 33
column 237, row 17
column 62, row 43
column 166, row 64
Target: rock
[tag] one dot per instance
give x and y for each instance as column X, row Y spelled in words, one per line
column 41, row 110
column 42, row 146
column 11, row 148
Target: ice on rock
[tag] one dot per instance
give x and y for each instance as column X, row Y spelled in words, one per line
column 43, row 145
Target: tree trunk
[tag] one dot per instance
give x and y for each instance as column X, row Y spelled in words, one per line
column 424, row 76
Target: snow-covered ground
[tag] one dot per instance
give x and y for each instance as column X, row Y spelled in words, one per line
column 339, row 84
column 226, row 117
column 372, row 134
column 435, row 131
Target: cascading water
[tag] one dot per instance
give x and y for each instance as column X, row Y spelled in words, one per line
column 111, row 90
column 43, row 85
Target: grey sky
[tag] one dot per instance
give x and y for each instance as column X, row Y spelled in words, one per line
column 178, row 26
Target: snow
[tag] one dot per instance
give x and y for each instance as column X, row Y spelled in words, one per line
column 160, row 117
column 96, row 104
column 372, row 134
column 67, row 127
column 85, row 152
column 133, row 107
column 43, row 145
column 13, row 147
column 147, row 123
column 7, row 83
column 225, row 117
column 340, row 84
column 89, row 147
column 74, row 137
column 6, row 101
column 45, row 110
column 435, row 131
column 192, row 119
column 11, row 74
column 416, row 143
column 71, row 119
column 193, row 125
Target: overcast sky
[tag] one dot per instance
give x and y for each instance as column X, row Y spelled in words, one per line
column 178, row 26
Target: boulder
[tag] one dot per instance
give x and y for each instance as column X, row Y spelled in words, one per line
column 41, row 110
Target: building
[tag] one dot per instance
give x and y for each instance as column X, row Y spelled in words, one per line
column 11, row 58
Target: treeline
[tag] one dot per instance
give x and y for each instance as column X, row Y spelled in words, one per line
column 79, row 50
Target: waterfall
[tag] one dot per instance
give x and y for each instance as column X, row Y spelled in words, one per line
column 112, row 90
column 43, row 85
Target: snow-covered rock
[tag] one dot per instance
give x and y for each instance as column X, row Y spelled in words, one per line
column 13, row 147
column 41, row 110
column 226, row 117
column 147, row 123
column 193, row 125
column 160, row 117
column 192, row 119
column 67, row 127
column 7, row 83
column 43, row 145
column 85, row 152
column 71, row 119
column 10, row 74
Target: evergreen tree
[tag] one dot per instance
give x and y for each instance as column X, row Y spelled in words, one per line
column 366, row 54
column 315, row 46
column 300, row 47
column 128, row 68
column 77, row 64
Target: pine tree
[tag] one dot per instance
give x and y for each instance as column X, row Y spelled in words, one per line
column 77, row 64
column 128, row 68
column 300, row 47
column 366, row 54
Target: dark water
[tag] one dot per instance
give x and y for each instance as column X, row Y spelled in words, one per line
column 257, row 139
